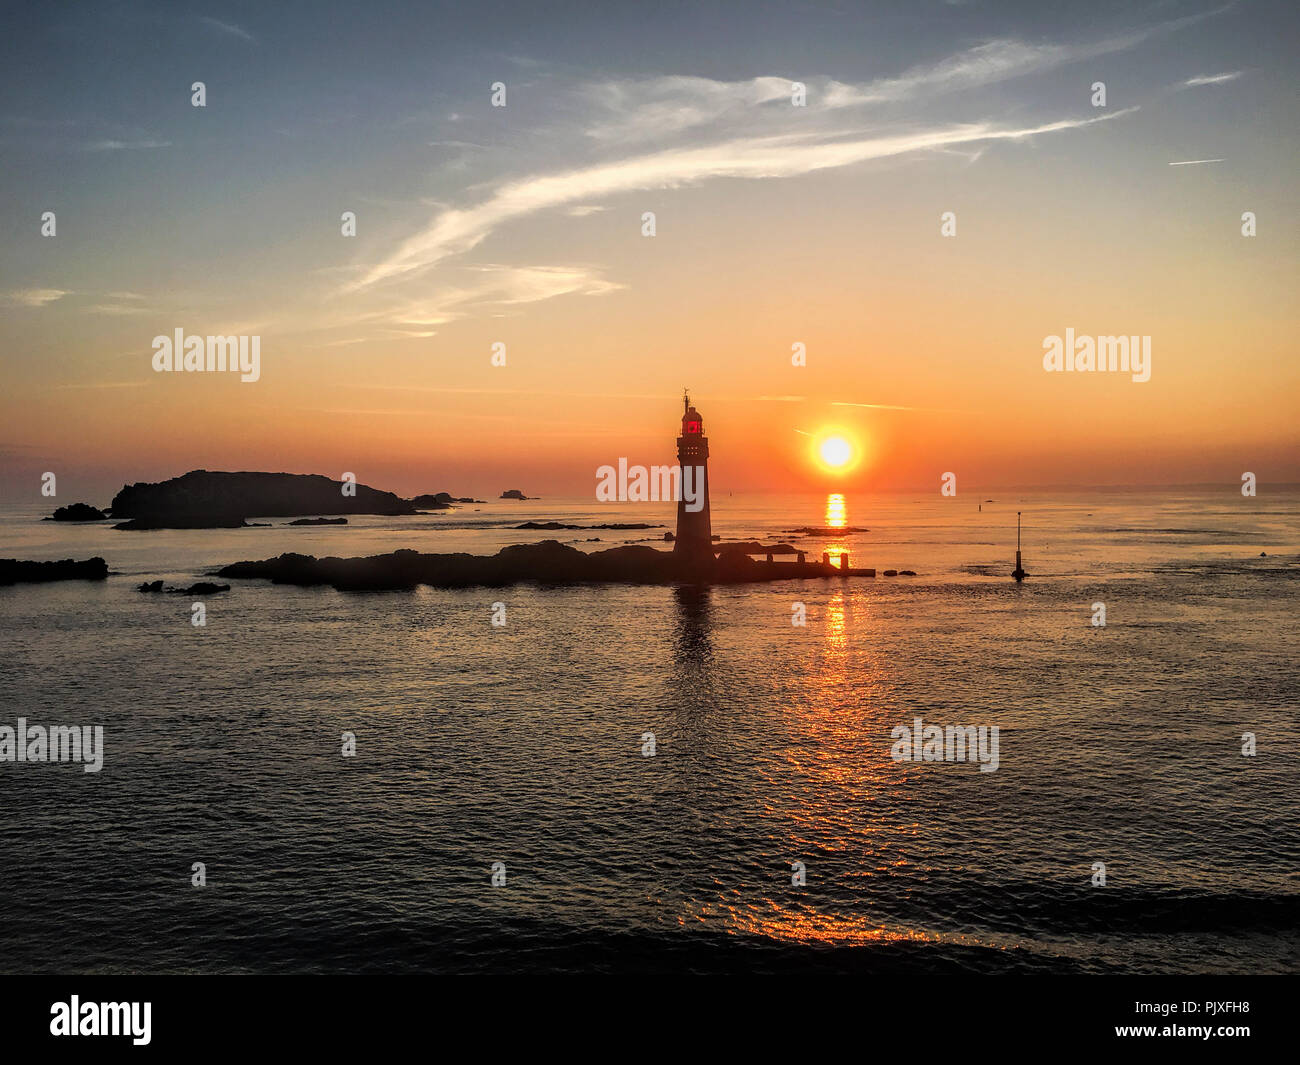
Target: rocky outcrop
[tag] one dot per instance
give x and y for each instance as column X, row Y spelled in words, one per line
column 201, row 588
column 12, row 571
column 206, row 499
column 753, row 547
column 318, row 521
column 182, row 521
column 77, row 512
column 548, row 562
column 555, row 525
column 441, row 501
column 827, row 530
column 514, row 493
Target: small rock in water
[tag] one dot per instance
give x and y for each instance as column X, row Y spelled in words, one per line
column 77, row 512
column 202, row 588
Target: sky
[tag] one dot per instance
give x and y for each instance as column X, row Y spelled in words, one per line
column 775, row 225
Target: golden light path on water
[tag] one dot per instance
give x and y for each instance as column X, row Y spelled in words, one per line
column 837, row 517
column 843, row 697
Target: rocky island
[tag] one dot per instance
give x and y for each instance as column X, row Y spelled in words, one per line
column 439, row 501
column 552, row 526
column 548, row 562
column 77, row 512
column 205, row 499
column 13, row 571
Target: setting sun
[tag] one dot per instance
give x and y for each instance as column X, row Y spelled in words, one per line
column 835, row 451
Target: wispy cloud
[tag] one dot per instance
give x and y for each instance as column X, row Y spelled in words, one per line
column 119, row 146
column 96, row 386
column 985, row 64
column 484, row 286
column 116, row 309
column 458, row 230
column 651, row 134
column 893, row 406
column 227, row 28
column 119, row 304
column 644, row 109
column 35, row 297
column 1211, row 79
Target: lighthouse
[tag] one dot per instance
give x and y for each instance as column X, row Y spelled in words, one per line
column 694, row 530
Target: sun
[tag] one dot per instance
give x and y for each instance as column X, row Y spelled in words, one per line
column 835, row 451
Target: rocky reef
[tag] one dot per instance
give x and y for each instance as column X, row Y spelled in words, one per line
column 206, row 499
column 555, row 525
column 77, row 512
column 12, row 571
column 440, row 501
column 201, row 588
column 182, row 521
column 548, row 562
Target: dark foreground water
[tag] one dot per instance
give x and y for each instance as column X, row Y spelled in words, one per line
column 523, row 745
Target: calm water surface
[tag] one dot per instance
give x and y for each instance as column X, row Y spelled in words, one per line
column 522, row 745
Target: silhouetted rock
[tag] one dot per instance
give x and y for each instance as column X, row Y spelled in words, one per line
column 201, row 588
column 552, row 525
column 180, row 521
column 905, row 573
column 753, row 547
column 547, row 562
column 13, row 571
column 513, row 493
column 205, row 499
column 318, row 521
column 823, row 530
column 77, row 512
column 434, row 500
column 891, row 573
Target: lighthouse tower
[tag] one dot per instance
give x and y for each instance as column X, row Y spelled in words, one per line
column 694, row 529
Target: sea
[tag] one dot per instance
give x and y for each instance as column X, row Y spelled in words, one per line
column 627, row 778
